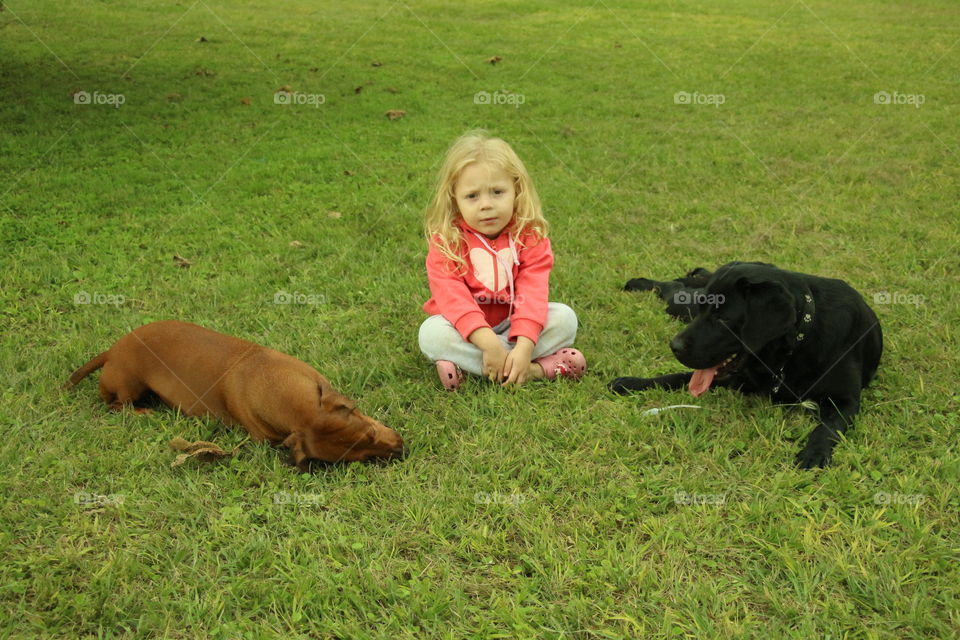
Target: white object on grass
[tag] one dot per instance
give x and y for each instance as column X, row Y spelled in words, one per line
column 656, row 410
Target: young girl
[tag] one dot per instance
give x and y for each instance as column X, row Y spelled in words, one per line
column 488, row 266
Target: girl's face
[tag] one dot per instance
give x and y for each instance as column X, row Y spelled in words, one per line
column 485, row 196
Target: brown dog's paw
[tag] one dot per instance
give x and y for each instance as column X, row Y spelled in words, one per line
column 298, row 458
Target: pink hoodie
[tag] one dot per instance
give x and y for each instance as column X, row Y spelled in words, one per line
column 498, row 271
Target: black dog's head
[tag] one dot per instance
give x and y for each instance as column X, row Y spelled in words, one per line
column 744, row 307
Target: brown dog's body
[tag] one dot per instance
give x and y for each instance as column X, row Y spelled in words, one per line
column 274, row 396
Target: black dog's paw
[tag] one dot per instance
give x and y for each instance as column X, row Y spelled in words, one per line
column 819, row 448
column 641, row 284
column 625, row 385
column 814, row 455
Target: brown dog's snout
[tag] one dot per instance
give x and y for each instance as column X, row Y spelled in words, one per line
column 400, row 452
column 394, row 443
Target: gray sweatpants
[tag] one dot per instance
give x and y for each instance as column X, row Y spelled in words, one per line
column 439, row 340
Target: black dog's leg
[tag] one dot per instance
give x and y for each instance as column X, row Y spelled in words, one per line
column 627, row 385
column 682, row 301
column 836, row 416
column 682, row 295
column 646, row 284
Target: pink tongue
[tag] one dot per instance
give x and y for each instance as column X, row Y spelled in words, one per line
column 701, row 380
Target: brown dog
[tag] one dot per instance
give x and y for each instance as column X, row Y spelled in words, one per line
column 274, row 396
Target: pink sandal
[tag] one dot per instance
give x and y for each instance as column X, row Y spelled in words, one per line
column 566, row 363
column 451, row 377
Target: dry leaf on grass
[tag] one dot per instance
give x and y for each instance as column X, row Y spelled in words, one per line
column 296, row 244
column 494, row 59
column 246, row 100
column 181, row 262
column 201, row 450
column 395, row 114
column 334, row 214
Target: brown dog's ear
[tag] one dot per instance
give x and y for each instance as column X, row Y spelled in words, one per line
column 340, row 404
column 298, row 456
column 332, row 400
column 771, row 313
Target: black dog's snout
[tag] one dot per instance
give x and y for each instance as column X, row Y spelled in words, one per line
column 678, row 345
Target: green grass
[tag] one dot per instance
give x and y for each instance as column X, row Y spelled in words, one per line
column 552, row 511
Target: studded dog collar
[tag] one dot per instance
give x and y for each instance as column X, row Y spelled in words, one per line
column 803, row 326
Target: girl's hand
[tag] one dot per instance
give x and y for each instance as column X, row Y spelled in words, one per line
column 516, row 368
column 493, row 362
column 494, row 354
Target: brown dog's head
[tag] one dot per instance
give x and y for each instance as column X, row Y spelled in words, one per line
column 341, row 433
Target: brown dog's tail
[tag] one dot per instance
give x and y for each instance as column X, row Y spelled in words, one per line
column 86, row 370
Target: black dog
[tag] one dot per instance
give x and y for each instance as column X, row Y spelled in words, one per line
column 760, row 329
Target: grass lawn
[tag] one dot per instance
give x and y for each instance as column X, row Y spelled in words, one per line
column 816, row 135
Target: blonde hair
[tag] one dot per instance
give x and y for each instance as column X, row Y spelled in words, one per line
column 440, row 222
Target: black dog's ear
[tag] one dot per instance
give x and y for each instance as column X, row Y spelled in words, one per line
column 771, row 313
